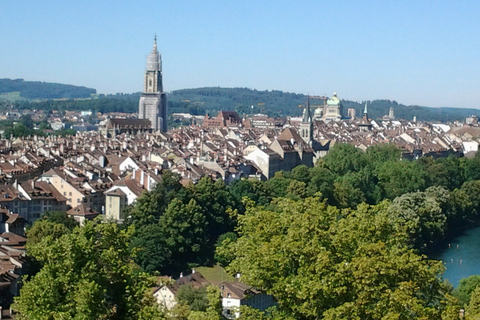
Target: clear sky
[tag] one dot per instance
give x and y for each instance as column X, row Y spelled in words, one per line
column 414, row 52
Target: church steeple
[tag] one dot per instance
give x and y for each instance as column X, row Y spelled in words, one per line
column 365, row 112
column 306, row 127
column 153, row 74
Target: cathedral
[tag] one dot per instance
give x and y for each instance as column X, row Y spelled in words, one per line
column 153, row 101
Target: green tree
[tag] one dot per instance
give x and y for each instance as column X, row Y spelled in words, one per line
column 422, row 215
column 319, row 265
column 86, row 274
column 60, row 217
column 343, row 158
column 223, row 248
column 465, row 288
column 473, row 309
column 183, row 228
column 43, row 229
column 195, row 298
column 399, row 177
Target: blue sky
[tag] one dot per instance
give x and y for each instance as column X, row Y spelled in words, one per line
column 414, row 52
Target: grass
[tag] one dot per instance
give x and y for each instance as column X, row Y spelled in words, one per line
column 215, row 274
column 10, row 96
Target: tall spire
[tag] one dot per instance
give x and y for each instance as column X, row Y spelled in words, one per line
column 155, row 43
column 365, row 112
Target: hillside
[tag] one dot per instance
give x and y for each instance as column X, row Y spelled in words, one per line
column 25, row 95
column 41, row 90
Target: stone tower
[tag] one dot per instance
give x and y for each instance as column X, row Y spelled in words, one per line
column 306, row 127
column 153, row 101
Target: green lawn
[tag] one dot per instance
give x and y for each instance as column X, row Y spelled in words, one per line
column 10, row 96
column 214, row 274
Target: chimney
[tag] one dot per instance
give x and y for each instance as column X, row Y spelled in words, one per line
column 181, row 274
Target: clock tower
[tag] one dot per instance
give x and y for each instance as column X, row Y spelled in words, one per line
column 153, row 101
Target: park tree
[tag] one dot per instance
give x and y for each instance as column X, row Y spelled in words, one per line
column 60, row 217
column 396, row 178
column 184, row 231
column 323, row 263
column 87, row 274
column 473, row 308
column 423, row 216
column 343, row 158
column 465, row 288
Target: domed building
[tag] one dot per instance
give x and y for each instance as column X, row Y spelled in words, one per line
column 332, row 109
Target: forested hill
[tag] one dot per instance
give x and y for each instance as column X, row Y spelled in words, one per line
column 286, row 104
column 203, row 100
column 43, row 90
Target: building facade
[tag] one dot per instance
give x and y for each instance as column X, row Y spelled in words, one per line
column 153, row 101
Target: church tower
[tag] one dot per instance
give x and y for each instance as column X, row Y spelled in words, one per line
column 306, row 127
column 153, row 101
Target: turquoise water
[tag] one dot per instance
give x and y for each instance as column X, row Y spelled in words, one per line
column 462, row 258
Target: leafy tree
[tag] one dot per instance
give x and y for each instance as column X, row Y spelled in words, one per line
column 296, row 190
column 195, row 298
column 278, row 185
column 43, row 229
column 60, row 217
column 321, row 180
column 183, row 228
column 151, row 251
column 223, row 248
column 399, row 177
column 214, row 309
column 347, row 192
column 301, row 173
column 87, row 274
column 422, row 215
column 465, row 288
column 319, row 265
column 473, row 309
column 343, row 158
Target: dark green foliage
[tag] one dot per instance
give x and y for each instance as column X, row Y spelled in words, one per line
column 176, row 227
column 222, row 253
column 195, row 298
column 60, row 217
column 465, row 288
column 44, row 90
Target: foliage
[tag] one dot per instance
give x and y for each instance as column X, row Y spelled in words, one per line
column 45, row 230
column 60, row 217
column 223, row 248
column 195, row 298
column 44, row 90
column 473, row 309
column 86, row 274
column 465, row 289
column 320, row 262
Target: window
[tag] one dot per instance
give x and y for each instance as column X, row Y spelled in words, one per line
column 64, row 193
column 69, row 193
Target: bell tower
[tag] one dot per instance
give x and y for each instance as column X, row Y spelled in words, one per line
column 153, row 101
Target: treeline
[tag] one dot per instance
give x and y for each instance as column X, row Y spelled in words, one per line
column 44, row 90
column 214, row 99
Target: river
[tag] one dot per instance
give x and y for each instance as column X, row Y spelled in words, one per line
column 461, row 256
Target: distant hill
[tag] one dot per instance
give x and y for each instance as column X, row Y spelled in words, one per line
column 42, row 90
column 200, row 101
column 286, row 104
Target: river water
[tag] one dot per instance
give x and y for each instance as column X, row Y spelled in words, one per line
column 461, row 256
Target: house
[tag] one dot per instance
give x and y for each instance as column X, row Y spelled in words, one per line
column 236, row 294
column 166, row 294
